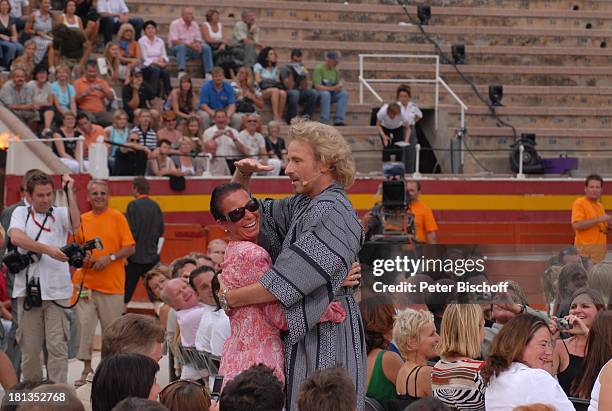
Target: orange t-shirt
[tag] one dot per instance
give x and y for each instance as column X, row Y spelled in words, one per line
column 94, row 101
column 424, row 221
column 96, row 131
column 591, row 241
column 112, row 228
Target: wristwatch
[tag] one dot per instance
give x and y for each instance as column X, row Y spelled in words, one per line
column 113, row 257
column 223, row 300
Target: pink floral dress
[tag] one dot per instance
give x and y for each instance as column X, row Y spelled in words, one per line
column 255, row 329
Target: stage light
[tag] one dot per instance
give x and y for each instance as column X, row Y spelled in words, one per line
column 496, row 94
column 424, row 14
column 458, row 52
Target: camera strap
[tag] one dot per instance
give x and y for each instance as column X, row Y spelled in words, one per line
column 69, row 307
column 26, row 305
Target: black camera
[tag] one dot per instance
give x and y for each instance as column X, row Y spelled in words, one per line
column 76, row 252
column 33, row 297
column 16, row 262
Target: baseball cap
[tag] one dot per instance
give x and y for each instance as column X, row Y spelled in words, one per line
column 332, row 55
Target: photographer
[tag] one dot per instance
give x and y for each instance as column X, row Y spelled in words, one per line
column 102, row 276
column 39, row 231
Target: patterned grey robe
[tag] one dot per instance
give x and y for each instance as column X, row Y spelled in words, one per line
column 313, row 243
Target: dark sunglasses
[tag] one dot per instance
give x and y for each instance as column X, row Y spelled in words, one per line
column 238, row 214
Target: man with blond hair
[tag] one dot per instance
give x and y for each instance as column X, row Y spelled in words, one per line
column 313, row 238
column 103, row 276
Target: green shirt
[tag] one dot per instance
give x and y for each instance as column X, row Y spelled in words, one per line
column 322, row 75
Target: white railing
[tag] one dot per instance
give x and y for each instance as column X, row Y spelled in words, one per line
column 437, row 81
column 10, row 160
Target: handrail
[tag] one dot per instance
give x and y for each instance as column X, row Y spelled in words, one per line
column 437, row 81
column 14, row 139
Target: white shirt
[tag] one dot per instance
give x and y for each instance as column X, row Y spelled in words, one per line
column 254, row 142
column 594, row 404
column 214, row 329
column 388, row 122
column 216, row 36
column 412, row 113
column 54, row 275
column 522, row 385
column 152, row 50
column 225, row 144
column 16, row 7
column 112, row 6
column 189, row 321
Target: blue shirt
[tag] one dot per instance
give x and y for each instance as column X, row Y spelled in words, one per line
column 63, row 96
column 217, row 99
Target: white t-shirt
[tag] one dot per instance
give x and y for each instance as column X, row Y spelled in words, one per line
column 594, row 404
column 412, row 113
column 54, row 275
column 225, row 144
column 388, row 122
column 111, row 6
column 522, row 385
column 214, row 329
column 216, row 36
column 254, row 142
column 17, row 7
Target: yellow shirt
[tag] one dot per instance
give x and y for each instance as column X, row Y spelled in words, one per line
column 590, row 241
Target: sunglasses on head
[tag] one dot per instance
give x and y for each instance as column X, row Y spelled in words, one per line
column 238, row 214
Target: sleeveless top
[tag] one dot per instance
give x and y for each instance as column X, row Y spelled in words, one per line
column 458, row 384
column 70, row 147
column 380, row 388
column 119, row 138
column 216, row 36
column 66, row 23
column 567, row 376
column 402, row 401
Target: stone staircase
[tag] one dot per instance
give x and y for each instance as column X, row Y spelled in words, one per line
column 552, row 57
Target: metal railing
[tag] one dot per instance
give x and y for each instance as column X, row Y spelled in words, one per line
column 16, row 140
column 436, row 81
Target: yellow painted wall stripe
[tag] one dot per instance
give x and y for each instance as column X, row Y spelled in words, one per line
column 469, row 202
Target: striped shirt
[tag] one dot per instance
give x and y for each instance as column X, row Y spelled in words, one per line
column 458, row 384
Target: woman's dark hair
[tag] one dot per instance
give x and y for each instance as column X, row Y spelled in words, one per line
column 121, row 376
column 509, row 343
column 210, row 13
column 185, row 395
column 149, row 23
column 215, row 285
column 254, row 389
column 9, row 4
column 594, row 295
column 598, row 353
column 139, row 404
column 377, row 321
column 66, row 5
column 403, row 88
column 186, row 99
column 217, row 196
column 263, row 57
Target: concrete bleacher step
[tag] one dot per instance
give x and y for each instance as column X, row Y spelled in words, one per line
column 376, row 32
column 380, row 13
column 510, row 4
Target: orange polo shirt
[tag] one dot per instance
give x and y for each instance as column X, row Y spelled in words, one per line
column 591, row 241
column 93, row 102
column 112, row 228
column 424, row 221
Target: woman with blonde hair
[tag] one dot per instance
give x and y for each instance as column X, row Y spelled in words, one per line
column 416, row 338
column 117, row 133
column 600, row 278
column 128, row 46
column 118, row 71
column 249, row 98
column 184, row 161
column 192, row 128
column 154, row 281
column 455, row 379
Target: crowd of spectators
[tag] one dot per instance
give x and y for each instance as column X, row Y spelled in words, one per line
column 97, row 58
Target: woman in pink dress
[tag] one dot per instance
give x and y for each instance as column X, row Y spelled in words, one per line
column 255, row 329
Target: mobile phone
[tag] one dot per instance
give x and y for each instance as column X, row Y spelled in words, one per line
column 563, row 324
column 215, row 393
